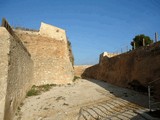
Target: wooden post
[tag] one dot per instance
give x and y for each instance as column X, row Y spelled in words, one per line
column 127, row 48
column 149, row 98
column 134, row 45
column 156, row 37
column 143, row 42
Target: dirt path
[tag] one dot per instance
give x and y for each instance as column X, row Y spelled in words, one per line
column 83, row 100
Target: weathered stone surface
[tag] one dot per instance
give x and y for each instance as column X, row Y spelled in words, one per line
column 4, row 51
column 106, row 54
column 52, row 32
column 15, row 74
column 50, row 53
column 134, row 69
column 79, row 69
column 51, row 58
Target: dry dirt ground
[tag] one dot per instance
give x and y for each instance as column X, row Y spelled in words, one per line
column 85, row 100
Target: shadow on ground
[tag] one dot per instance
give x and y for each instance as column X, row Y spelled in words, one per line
column 124, row 93
column 132, row 96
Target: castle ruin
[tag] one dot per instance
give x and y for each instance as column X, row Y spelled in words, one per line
column 31, row 58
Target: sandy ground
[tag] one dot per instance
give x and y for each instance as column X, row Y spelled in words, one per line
column 84, row 100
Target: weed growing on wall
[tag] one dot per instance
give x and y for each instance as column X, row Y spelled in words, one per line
column 71, row 56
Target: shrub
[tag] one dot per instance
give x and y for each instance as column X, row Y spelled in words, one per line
column 36, row 90
column 75, row 78
column 138, row 40
column 33, row 91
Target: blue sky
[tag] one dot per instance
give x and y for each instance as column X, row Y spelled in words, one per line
column 93, row 26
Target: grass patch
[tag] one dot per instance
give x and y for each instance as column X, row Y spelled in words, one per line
column 75, row 78
column 37, row 90
column 33, row 92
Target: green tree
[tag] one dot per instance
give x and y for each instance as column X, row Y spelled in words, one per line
column 138, row 40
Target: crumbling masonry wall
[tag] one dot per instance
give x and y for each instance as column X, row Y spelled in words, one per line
column 16, row 71
column 134, row 69
column 50, row 53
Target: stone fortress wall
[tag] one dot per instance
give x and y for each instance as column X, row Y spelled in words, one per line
column 48, row 30
column 79, row 69
column 134, row 69
column 50, row 54
column 30, row 58
column 104, row 54
column 16, row 71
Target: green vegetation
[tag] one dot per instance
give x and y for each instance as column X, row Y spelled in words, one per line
column 71, row 57
column 138, row 40
column 36, row 90
column 33, row 91
column 75, row 78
